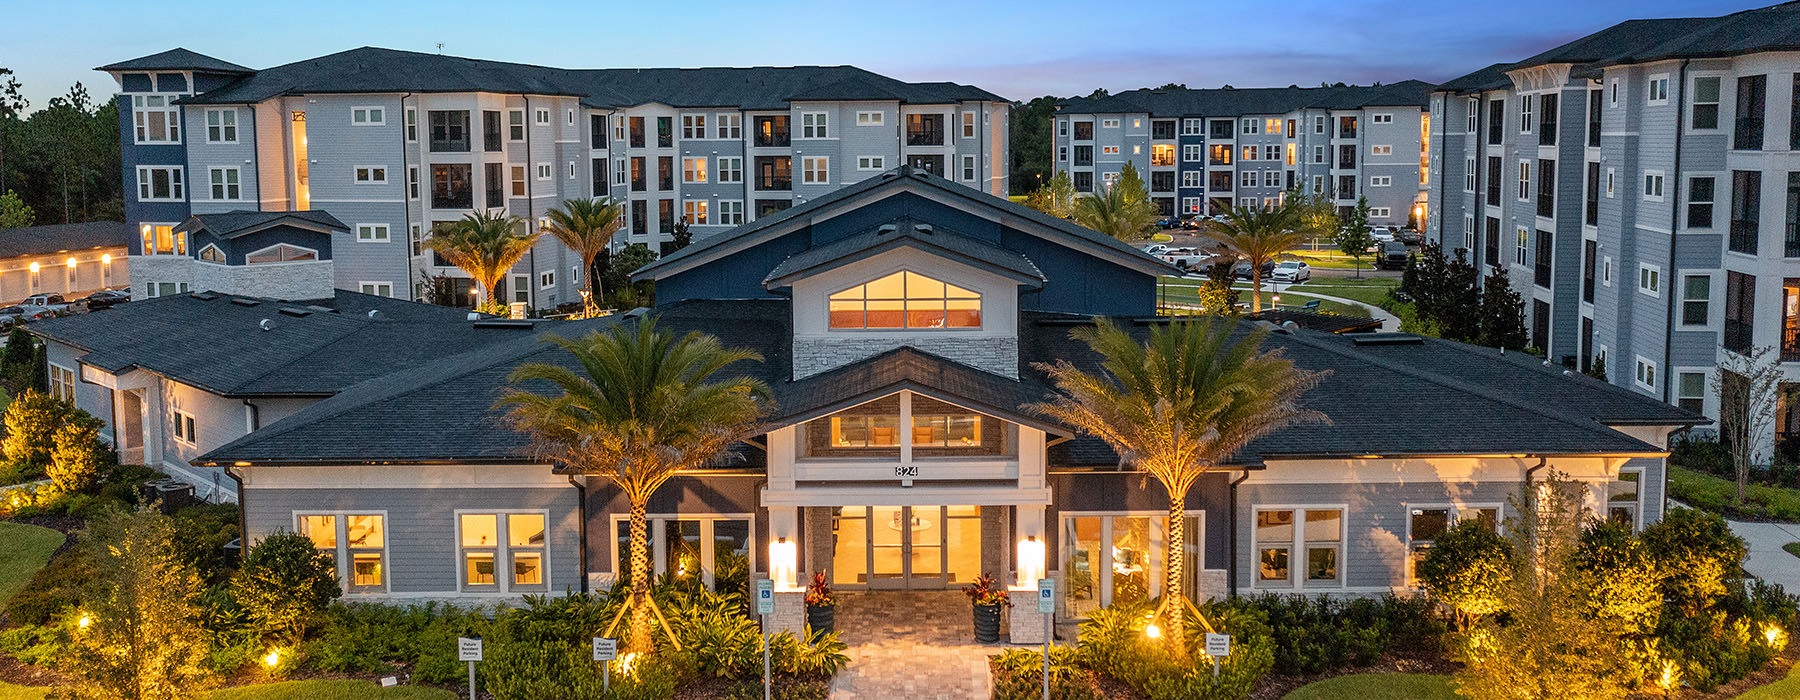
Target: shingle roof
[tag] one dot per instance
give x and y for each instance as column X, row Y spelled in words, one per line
column 1490, row 78
column 232, row 224
column 371, row 69
column 905, row 232
column 1313, row 321
column 1227, row 102
column 57, row 238
column 1767, row 29
column 1386, row 398
column 313, row 348
column 177, row 59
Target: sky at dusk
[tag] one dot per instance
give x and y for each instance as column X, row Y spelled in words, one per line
column 1017, row 49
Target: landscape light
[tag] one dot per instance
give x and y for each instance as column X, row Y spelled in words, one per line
column 71, row 262
column 84, row 621
column 273, row 658
column 626, row 662
column 1776, row 636
column 1153, row 631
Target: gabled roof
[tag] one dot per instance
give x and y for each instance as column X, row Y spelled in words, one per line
column 1490, row 78
column 907, row 368
column 1228, row 102
column 177, row 59
column 233, row 224
column 763, row 229
column 906, row 233
column 57, row 238
column 312, row 348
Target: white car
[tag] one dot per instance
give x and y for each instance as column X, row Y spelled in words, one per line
column 1291, row 271
column 1156, row 249
column 1381, row 235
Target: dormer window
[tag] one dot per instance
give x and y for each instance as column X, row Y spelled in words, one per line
column 280, row 252
column 905, row 300
column 212, row 254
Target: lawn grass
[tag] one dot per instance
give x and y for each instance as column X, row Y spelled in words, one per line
column 1378, row 686
column 9, row 691
column 1186, row 291
column 1791, row 548
column 26, row 549
column 1369, row 291
column 1713, row 494
column 329, row 690
column 1783, row 689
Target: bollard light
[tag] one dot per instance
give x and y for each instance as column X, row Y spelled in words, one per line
column 1153, row 631
column 84, row 621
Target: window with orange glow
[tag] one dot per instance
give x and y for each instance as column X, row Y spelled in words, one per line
column 905, row 300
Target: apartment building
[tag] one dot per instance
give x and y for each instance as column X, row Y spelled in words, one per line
column 1204, row 151
column 1642, row 186
column 395, row 144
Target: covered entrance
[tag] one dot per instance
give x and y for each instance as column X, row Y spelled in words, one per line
column 906, row 547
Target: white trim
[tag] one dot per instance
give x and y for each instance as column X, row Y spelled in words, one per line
column 1638, row 373
column 372, row 115
column 1297, row 580
column 374, row 228
column 341, row 521
column 206, row 122
column 1654, row 277
column 502, row 550
column 223, row 258
column 362, row 286
column 357, row 173
column 1658, row 178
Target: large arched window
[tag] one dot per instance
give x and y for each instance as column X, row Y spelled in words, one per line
column 906, row 300
column 281, row 252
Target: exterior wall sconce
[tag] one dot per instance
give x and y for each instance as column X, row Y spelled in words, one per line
column 784, row 563
column 1031, row 561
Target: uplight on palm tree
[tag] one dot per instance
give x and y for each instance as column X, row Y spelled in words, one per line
column 1117, row 213
column 586, row 226
column 484, row 244
column 1259, row 234
column 642, row 406
column 1175, row 406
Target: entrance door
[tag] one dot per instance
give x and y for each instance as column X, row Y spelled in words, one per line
column 906, row 546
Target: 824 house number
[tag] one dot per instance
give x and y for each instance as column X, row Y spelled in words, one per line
column 907, row 471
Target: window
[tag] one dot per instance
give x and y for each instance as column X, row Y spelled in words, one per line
column 452, row 186
column 1192, row 127
column 694, row 210
column 1251, row 126
column 418, row 239
column 1547, row 118
column 1746, row 211
column 871, row 162
column 1696, row 295
column 870, row 118
column 163, row 239
column 1190, row 178
column 544, row 171
column 221, row 126
column 1650, row 279
column 357, row 544
column 1593, row 119
column 693, row 169
column 211, row 253
column 731, row 169
column 693, row 126
column 1109, row 150
column 1190, row 153
column 62, row 383
column 1524, row 180
column 1381, row 150
column 412, row 181
column 1546, row 188
column 412, row 124
column 968, row 168
column 492, row 542
column 518, row 180
column 968, row 125
column 815, row 170
column 225, row 183
column 1645, row 374
column 1318, row 536
column 368, row 116
column 1380, row 212
column 1271, row 178
column 1690, row 391
column 1657, row 91
column 155, row 119
column 547, row 279
column 449, row 131
column 380, row 289
column 1249, row 153
column 1606, row 271
column 1425, row 524
column 1752, row 99
column 691, row 548
column 905, row 300
column 542, row 115
column 1247, row 178
column 1318, row 154
column 1118, row 558
column 1162, row 155
column 1794, row 116
column 515, row 125
column 280, row 253
column 731, row 212
column 1062, row 154
column 1271, row 152
column 371, row 174
column 521, row 289
column 1542, row 264
column 1474, row 114
column 1109, row 123
column 1740, row 311
column 1523, row 241
column 1700, row 202
column 1609, row 183
column 1190, row 205
column 814, row 125
column 1653, row 185
column 163, row 289
column 1381, row 180
column 1469, row 175
column 1705, row 111
column 159, row 183
column 183, row 426
column 371, row 233
column 731, row 126
column 1791, row 228
column 1496, row 122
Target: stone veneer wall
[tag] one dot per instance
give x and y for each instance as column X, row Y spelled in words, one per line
column 286, row 281
column 151, row 269
column 813, row 354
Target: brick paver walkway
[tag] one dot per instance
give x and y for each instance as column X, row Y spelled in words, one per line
column 911, row 645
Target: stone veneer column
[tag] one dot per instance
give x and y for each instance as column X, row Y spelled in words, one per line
column 790, row 614
column 996, row 542
column 820, row 547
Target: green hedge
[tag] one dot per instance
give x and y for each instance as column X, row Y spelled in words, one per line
column 1711, row 493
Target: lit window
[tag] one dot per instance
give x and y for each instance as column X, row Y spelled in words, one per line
column 280, row 252
column 62, row 383
column 212, row 254
column 693, row 126
column 905, row 300
column 1624, row 500
column 1319, row 540
column 695, row 212
column 693, row 169
column 371, row 174
column 865, row 431
column 947, row 431
column 815, row 170
column 163, row 239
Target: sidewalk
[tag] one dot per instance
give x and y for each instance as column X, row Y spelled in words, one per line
column 1767, row 561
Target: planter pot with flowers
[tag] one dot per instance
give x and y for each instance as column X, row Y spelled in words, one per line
column 821, row 605
column 988, row 598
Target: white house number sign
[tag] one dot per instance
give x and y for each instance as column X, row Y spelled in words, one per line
column 906, row 471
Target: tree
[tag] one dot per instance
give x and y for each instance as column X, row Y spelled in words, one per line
column 1622, row 579
column 1258, row 235
column 644, row 405
column 619, row 267
column 586, row 226
column 1445, row 293
column 286, row 582
column 75, row 453
column 1030, row 125
column 31, row 420
column 1175, row 406
column 1122, row 211
column 1502, row 315
column 680, row 236
column 1698, row 555
column 1056, row 198
column 14, row 212
column 1354, row 238
column 1549, row 645
column 485, row 244
column 18, row 363
column 1467, row 569
column 144, row 639
column 1748, row 385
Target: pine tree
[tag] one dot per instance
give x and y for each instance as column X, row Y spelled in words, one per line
column 1458, row 310
column 1131, row 185
column 1353, row 237
column 1502, row 313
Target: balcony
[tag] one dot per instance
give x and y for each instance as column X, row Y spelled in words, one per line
column 1790, row 341
column 1738, row 335
column 924, row 137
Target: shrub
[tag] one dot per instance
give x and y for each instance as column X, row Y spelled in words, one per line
column 52, row 590
column 1315, row 634
column 1019, row 675
column 1113, row 643
column 31, row 421
column 285, row 583
column 76, row 464
column 1466, row 568
column 201, row 533
column 1623, row 583
column 1696, row 552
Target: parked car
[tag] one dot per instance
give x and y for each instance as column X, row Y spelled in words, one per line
column 1381, row 235
column 1187, row 258
column 1393, row 255
column 1193, row 222
column 106, row 298
column 1291, row 271
column 11, row 316
column 1409, row 236
column 1242, row 269
column 38, row 305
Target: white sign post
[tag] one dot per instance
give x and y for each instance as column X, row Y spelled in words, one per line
column 605, row 650
column 1218, row 646
column 469, row 649
column 765, row 606
column 1046, row 599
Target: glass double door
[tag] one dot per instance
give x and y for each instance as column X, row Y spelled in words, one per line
column 907, row 547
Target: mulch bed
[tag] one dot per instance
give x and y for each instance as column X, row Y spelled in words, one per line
column 1774, row 671
column 18, row 672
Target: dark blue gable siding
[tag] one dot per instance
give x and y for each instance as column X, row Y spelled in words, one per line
column 132, row 155
column 1077, row 283
column 236, row 248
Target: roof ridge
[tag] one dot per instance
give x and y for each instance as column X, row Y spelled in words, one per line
column 1609, row 387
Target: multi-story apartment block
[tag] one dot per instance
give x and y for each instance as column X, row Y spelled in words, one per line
column 1642, row 185
column 1204, row 151
column 395, row 143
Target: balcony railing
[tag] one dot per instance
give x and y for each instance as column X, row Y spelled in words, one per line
column 925, row 137
column 1790, row 342
column 777, row 138
column 775, row 183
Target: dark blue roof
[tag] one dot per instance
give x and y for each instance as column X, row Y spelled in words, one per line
column 232, row 224
column 177, row 59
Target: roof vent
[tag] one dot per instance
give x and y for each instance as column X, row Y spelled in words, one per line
column 266, row 324
column 204, row 296
column 245, row 302
column 474, row 316
column 374, row 313
column 1290, row 326
column 922, row 228
column 504, row 323
column 291, row 311
column 886, row 229
column 1374, row 339
column 321, row 309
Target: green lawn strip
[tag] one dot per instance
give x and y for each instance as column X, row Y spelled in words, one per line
column 1179, row 291
column 1784, row 689
column 1792, row 548
column 1713, row 494
column 23, row 550
column 9, row 691
column 1378, row 686
column 1374, row 295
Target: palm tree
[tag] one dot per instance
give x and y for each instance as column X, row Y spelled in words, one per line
column 1177, row 405
column 644, row 405
column 586, row 226
column 484, row 244
column 1259, row 234
column 1117, row 212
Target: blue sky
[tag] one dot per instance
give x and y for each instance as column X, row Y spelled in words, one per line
column 1017, row 49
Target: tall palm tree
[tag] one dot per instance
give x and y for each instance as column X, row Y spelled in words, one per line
column 1177, row 405
column 586, row 226
column 1116, row 212
column 1260, row 234
column 644, row 405
column 485, row 244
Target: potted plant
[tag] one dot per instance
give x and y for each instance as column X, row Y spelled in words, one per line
column 821, row 605
column 987, row 598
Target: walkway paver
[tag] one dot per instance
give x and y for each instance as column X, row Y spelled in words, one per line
column 910, row 645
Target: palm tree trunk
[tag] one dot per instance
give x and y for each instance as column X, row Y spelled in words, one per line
column 1256, row 284
column 1174, row 553
column 640, row 577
